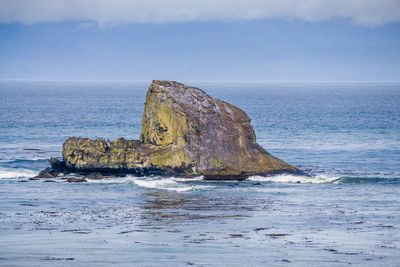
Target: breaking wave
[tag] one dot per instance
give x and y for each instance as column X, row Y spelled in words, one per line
column 166, row 183
column 13, row 173
column 290, row 178
column 323, row 179
column 197, row 183
column 16, row 170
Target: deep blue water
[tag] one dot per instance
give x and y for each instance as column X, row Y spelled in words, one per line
column 346, row 136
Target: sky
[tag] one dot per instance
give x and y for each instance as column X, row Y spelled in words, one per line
column 208, row 40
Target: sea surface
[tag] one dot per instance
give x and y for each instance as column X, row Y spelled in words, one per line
column 346, row 136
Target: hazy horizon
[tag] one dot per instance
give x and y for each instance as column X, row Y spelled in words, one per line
column 198, row 81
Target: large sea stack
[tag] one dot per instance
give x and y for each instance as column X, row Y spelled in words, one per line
column 185, row 132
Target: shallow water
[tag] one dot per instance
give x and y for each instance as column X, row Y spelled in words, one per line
column 346, row 136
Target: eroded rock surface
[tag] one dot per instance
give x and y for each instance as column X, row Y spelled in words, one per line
column 184, row 132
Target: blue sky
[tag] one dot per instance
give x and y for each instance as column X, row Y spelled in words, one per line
column 352, row 47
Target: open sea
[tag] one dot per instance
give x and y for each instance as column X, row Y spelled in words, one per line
column 346, row 136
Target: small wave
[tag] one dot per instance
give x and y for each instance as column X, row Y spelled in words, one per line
column 289, row 178
column 171, row 184
column 164, row 183
column 116, row 180
column 12, row 173
column 31, row 160
column 322, row 179
column 359, row 180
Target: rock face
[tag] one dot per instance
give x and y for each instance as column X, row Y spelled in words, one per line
column 184, row 132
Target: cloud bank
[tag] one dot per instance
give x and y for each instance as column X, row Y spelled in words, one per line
column 365, row 12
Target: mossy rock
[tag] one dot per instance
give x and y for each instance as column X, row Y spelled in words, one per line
column 185, row 132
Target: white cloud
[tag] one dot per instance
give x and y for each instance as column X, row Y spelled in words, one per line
column 103, row 12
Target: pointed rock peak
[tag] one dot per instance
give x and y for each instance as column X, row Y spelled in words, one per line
column 172, row 86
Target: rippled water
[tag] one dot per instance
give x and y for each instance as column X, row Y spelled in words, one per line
column 346, row 136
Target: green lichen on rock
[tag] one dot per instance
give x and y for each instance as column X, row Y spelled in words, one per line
column 184, row 132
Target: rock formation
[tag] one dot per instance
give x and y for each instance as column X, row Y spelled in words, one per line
column 184, row 132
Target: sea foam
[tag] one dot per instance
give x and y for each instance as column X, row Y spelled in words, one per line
column 156, row 182
column 12, row 173
column 290, row 178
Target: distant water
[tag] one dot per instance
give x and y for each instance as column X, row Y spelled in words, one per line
column 346, row 136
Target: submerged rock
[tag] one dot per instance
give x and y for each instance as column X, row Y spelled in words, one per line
column 76, row 180
column 101, row 176
column 185, row 132
column 47, row 173
column 57, row 167
column 94, row 176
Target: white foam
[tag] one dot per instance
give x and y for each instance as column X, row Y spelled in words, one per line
column 12, row 173
column 290, row 178
column 170, row 183
column 193, row 179
column 116, row 180
column 165, row 183
column 197, row 183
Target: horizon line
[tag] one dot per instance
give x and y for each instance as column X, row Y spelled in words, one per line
column 201, row 81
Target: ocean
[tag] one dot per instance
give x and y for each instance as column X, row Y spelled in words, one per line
column 346, row 136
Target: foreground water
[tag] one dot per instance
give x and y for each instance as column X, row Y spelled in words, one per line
column 346, row 136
